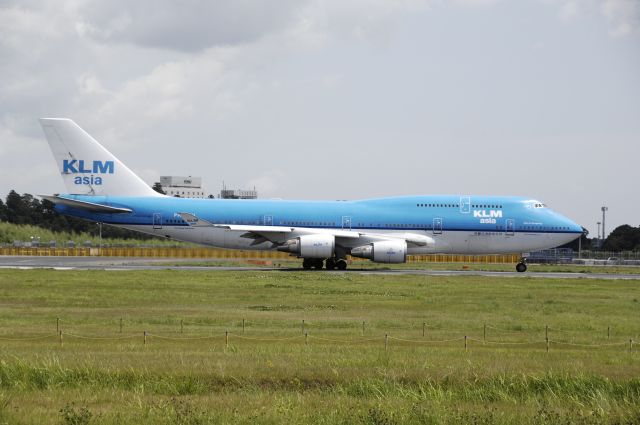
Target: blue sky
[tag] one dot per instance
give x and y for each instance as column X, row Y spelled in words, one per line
column 337, row 99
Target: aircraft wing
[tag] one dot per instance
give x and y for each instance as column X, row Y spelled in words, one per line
column 279, row 234
column 84, row 205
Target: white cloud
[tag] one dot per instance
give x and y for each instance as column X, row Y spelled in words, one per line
column 623, row 16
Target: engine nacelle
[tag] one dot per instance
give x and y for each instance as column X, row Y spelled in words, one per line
column 310, row 246
column 383, row 252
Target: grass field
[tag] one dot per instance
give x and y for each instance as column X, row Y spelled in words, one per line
column 271, row 373
column 413, row 265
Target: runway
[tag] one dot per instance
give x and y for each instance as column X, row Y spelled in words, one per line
column 128, row 263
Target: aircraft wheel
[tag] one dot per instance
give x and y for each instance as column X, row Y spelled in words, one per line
column 331, row 264
column 521, row 267
column 342, row 264
column 307, row 263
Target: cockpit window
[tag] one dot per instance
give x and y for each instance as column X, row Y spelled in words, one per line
column 535, row 204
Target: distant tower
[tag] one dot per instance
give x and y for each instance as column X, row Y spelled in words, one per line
column 604, row 233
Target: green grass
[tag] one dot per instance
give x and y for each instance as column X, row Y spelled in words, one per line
column 418, row 265
column 341, row 375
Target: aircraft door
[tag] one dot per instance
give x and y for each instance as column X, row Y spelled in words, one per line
column 157, row 221
column 346, row 222
column 510, row 227
column 437, row 226
column 268, row 220
column 465, row 204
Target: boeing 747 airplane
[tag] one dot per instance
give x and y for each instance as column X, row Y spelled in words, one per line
column 322, row 233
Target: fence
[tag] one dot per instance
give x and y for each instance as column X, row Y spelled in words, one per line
column 487, row 336
column 215, row 253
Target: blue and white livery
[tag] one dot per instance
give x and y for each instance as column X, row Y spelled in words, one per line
column 322, row 233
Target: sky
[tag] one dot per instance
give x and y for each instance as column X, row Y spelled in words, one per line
column 344, row 99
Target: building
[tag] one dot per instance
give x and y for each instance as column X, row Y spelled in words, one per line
column 183, row 187
column 238, row 193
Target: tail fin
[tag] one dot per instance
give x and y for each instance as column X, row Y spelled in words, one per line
column 86, row 167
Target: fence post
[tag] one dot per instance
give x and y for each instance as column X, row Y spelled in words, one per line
column 60, row 333
column 306, row 338
column 547, row 340
column 546, row 332
column 363, row 327
column 145, row 338
column 608, row 332
column 465, row 342
column 181, row 325
column 243, row 325
column 226, row 339
column 121, row 325
column 484, row 333
column 424, row 324
column 385, row 341
column 303, row 326
column 630, row 342
column 57, row 324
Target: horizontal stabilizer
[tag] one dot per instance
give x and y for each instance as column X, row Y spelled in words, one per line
column 84, row 205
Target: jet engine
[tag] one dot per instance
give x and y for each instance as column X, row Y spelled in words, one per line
column 310, row 246
column 383, row 252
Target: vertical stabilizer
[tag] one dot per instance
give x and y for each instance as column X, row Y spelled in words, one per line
column 86, row 167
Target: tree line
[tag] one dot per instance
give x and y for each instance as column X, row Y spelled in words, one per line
column 27, row 209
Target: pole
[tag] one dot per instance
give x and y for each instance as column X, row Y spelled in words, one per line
column 57, row 324
column 608, row 332
column 465, row 342
column 484, row 333
column 424, row 324
column 604, row 210
column 60, row 338
column 303, row 326
column 385, row 341
column 121, row 325
column 181, row 325
column 145, row 338
column 363, row 327
column 100, row 239
column 306, row 338
column 242, row 325
column 580, row 245
column 226, row 338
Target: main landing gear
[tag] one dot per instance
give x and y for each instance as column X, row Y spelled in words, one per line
column 318, row 263
column 521, row 267
column 336, row 263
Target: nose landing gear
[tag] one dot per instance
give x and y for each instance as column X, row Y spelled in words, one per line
column 521, row 267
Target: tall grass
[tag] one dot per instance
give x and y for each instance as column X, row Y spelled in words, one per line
column 10, row 232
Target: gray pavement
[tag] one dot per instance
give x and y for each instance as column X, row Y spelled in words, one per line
column 128, row 263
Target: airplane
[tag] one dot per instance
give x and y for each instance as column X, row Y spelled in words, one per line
column 322, row 233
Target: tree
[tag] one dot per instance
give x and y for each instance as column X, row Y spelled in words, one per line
column 623, row 238
column 17, row 211
column 3, row 211
column 158, row 188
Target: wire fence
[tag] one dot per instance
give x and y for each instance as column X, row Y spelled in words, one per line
column 487, row 336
